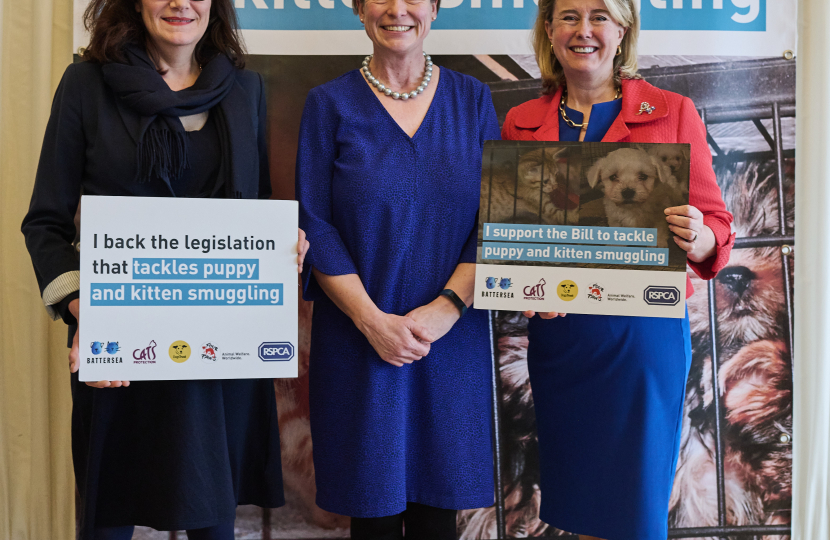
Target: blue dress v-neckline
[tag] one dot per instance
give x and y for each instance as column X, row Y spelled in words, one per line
column 602, row 116
column 389, row 117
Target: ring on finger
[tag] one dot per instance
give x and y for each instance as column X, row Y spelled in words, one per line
column 693, row 239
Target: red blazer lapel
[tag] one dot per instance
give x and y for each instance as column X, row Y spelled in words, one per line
column 641, row 103
column 549, row 131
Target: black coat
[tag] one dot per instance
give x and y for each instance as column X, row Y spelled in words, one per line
column 171, row 455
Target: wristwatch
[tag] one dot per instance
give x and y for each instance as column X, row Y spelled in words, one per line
column 459, row 303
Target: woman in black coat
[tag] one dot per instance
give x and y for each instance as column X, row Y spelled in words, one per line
column 161, row 107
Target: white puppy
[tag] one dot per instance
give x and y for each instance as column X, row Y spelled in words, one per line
column 636, row 190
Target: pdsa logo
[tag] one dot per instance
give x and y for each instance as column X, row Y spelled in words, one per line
column 661, row 296
column 276, row 352
column 724, row 15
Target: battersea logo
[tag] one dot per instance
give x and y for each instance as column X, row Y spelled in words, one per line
column 661, row 296
column 276, row 352
column 723, row 15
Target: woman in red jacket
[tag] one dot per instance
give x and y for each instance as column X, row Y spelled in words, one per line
column 609, row 390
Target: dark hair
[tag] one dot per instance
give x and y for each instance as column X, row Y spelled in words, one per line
column 113, row 24
column 356, row 3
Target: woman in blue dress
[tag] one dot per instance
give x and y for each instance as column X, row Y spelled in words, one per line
column 388, row 176
column 608, row 391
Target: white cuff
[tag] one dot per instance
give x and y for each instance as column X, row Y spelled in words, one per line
column 61, row 287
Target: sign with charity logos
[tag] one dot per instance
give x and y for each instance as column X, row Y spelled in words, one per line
column 187, row 289
column 580, row 228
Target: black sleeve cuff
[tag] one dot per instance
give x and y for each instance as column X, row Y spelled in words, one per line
column 62, row 308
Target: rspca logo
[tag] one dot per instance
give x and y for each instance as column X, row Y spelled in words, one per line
column 661, row 296
column 719, row 15
column 276, row 352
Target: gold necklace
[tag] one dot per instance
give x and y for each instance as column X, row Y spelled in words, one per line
column 564, row 100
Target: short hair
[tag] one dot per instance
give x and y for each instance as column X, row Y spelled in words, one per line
column 356, row 3
column 623, row 12
column 113, row 24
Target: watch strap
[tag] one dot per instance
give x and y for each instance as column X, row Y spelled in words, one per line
column 459, row 303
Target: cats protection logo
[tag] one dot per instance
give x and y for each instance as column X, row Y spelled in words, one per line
column 180, row 352
column 567, row 290
column 722, row 15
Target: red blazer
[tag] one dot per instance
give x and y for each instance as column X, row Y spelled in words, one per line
column 673, row 120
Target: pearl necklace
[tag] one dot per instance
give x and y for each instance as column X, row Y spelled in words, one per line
column 397, row 95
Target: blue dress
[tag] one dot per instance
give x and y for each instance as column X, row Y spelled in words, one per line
column 400, row 212
column 608, row 393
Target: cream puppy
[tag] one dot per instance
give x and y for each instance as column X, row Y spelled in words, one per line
column 676, row 158
column 637, row 190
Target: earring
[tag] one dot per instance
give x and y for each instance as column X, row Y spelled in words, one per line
column 619, row 50
column 551, row 47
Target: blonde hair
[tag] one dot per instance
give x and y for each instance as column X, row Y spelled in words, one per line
column 623, row 12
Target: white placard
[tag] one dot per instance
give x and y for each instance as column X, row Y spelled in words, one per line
column 639, row 293
column 188, row 289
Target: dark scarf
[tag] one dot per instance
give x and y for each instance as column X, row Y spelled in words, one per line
column 159, row 136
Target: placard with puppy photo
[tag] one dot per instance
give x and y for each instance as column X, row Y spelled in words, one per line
column 581, row 228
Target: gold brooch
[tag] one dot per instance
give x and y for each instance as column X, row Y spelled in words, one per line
column 645, row 107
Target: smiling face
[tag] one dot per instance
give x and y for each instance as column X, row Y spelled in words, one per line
column 584, row 37
column 175, row 23
column 398, row 25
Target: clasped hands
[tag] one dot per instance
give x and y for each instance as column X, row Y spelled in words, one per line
column 403, row 340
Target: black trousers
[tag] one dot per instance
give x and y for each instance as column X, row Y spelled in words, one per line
column 421, row 522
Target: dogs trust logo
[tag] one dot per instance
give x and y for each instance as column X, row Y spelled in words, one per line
column 661, row 296
column 595, row 291
column 147, row 355
column 179, row 351
column 535, row 292
column 567, row 290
